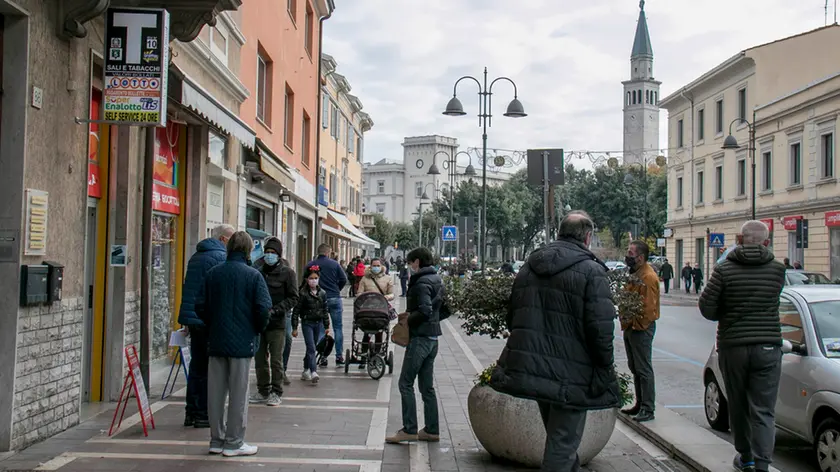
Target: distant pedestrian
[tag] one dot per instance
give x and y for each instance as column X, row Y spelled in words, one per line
column 797, row 265
column 560, row 348
column 666, row 273
column 358, row 272
column 234, row 304
column 639, row 334
column 268, row 362
column 426, row 307
column 743, row 297
column 312, row 316
column 697, row 278
column 404, row 275
column 351, row 279
column 787, row 264
column 209, row 253
column 332, row 279
column 686, row 276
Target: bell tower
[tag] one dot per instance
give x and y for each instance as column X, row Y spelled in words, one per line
column 641, row 97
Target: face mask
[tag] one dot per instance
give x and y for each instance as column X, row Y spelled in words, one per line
column 272, row 259
column 312, row 282
column 376, row 269
column 630, row 261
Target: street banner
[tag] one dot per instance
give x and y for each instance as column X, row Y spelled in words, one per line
column 136, row 65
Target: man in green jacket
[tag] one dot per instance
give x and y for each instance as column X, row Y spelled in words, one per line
column 743, row 297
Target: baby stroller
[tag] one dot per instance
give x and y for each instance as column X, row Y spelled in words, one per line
column 370, row 316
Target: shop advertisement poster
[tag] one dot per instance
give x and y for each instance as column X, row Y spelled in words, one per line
column 136, row 65
column 94, row 186
column 165, row 195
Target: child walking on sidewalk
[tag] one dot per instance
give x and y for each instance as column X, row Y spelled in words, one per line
column 311, row 312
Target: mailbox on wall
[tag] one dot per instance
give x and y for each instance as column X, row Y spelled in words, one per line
column 33, row 284
column 55, row 281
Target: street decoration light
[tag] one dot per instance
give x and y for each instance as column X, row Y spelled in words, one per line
column 485, row 119
column 731, row 143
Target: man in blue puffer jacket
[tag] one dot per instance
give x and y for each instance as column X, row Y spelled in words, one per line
column 234, row 304
column 209, row 253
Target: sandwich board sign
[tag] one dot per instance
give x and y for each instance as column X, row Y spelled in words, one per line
column 449, row 233
column 133, row 384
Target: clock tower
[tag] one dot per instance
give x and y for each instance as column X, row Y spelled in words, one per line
column 641, row 98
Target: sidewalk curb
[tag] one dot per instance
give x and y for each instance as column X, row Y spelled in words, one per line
column 697, row 447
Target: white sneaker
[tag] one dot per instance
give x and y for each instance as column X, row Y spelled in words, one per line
column 307, row 376
column 215, row 450
column 258, row 398
column 315, row 377
column 244, row 450
column 273, row 400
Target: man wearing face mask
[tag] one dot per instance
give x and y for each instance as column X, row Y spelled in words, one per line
column 638, row 334
column 282, row 287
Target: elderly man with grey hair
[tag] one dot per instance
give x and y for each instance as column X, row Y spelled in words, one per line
column 209, row 253
column 560, row 349
column 743, row 297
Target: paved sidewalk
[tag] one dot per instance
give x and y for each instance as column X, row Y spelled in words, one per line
column 337, row 426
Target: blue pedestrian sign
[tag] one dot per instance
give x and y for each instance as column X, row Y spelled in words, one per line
column 717, row 240
column 449, row 233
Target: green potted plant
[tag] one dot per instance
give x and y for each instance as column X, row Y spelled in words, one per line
column 511, row 428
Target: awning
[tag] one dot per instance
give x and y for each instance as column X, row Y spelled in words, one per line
column 350, row 228
column 274, row 167
column 194, row 97
column 338, row 232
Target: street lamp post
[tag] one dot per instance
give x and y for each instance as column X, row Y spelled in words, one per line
column 424, row 196
column 485, row 119
column 452, row 171
column 628, row 180
column 731, row 143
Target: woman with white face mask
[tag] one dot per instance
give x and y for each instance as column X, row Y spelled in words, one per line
column 375, row 280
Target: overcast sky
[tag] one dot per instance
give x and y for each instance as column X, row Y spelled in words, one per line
column 567, row 57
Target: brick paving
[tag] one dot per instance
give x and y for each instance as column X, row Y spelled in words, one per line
column 336, row 426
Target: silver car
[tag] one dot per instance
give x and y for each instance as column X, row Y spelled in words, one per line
column 808, row 405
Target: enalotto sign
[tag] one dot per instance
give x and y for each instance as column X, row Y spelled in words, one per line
column 136, row 65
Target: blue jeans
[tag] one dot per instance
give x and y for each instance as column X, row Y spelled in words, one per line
column 310, row 331
column 336, row 308
column 287, row 349
column 419, row 363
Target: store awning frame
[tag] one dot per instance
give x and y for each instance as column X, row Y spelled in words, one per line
column 201, row 102
column 274, row 167
column 351, row 228
column 338, row 232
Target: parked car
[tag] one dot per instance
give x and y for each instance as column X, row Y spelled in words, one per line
column 801, row 277
column 808, row 404
column 615, row 265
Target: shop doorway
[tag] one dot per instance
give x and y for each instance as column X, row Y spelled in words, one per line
column 164, row 279
column 700, row 253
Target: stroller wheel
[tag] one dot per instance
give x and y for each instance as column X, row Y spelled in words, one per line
column 391, row 362
column 376, row 367
column 347, row 362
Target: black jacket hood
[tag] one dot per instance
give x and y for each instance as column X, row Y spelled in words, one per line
column 559, row 256
column 751, row 254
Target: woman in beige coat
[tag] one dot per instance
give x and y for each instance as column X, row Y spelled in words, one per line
column 375, row 280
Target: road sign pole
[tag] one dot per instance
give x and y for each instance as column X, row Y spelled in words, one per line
column 546, row 196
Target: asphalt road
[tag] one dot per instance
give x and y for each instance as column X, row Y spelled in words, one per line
column 681, row 346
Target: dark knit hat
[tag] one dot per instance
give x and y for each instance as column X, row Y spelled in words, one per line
column 274, row 244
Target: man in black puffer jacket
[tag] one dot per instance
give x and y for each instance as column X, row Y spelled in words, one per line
column 560, row 350
column 743, row 297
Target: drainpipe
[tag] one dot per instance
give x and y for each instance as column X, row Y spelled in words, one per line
column 316, row 225
column 691, row 175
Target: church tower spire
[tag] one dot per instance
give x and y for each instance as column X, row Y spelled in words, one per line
column 641, row 97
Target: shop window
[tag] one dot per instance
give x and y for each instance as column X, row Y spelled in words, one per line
column 254, row 217
column 164, row 257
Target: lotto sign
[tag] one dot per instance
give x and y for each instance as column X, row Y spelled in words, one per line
column 136, row 65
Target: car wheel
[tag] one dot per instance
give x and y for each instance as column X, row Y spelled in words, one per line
column 716, row 407
column 827, row 445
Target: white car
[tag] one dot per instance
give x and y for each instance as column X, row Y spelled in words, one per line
column 615, row 265
column 808, row 405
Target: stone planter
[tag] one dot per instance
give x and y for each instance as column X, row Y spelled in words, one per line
column 511, row 428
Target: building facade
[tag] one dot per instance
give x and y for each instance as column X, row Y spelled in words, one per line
column 641, row 98
column 343, row 128
column 788, row 89
column 280, row 64
column 393, row 188
column 115, row 209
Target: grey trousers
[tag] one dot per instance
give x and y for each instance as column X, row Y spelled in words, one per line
column 228, row 376
column 563, row 432
column 639, row 348
column 751, row 375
